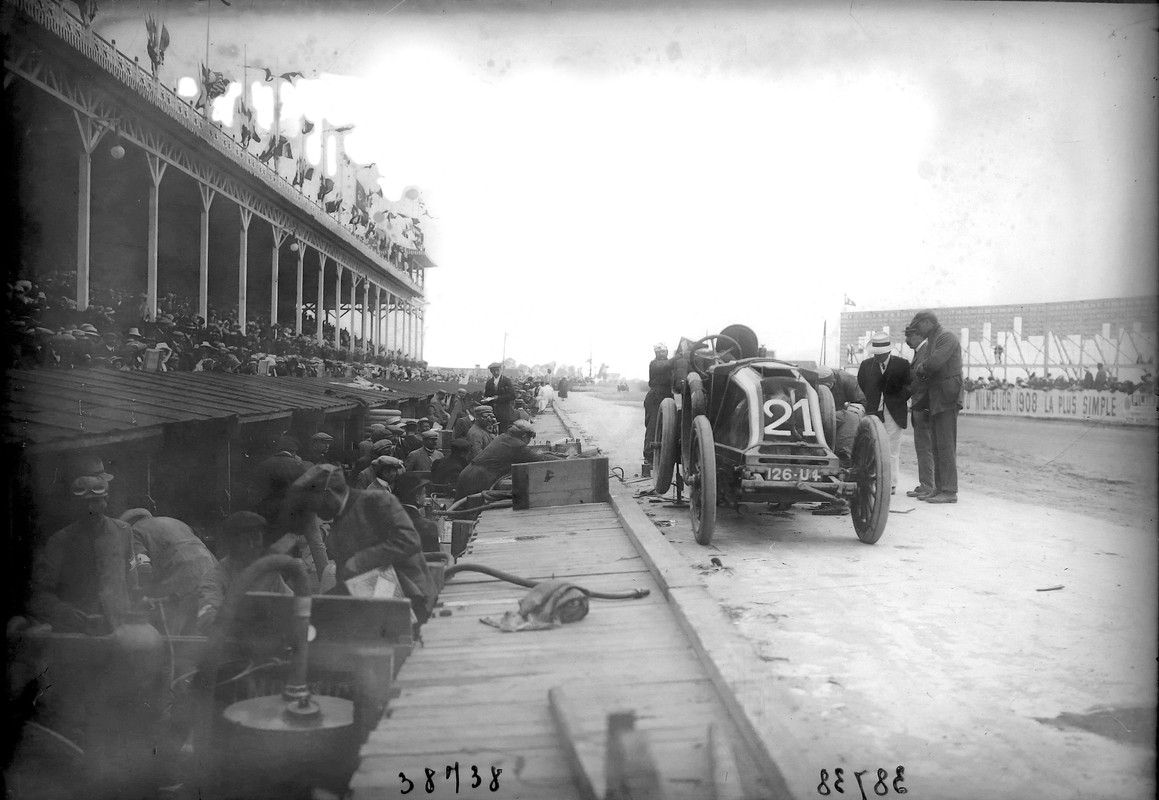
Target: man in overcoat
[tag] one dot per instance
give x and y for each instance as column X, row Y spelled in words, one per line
column 942, row 372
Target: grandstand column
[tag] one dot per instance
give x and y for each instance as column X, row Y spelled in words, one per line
column 353, row 305
column 377, row 317
column 90, row 135
column 319, row 304
column 408, row 329
column 280, row 235
column 299, row 312
column 156, row 173
column 207, row 195
column 243, row 252
column 365, row 309
column 387, row 322
column 422, row 332
column 338, row 305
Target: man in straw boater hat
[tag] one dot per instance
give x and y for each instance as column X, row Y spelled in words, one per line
column 884, row 380
column 941, row 371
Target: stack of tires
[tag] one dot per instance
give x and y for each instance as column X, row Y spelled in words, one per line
column 382, row 416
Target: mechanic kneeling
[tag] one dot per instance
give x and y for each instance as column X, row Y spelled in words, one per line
column 510, row 447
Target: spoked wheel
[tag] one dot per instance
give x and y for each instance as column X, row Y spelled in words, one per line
column 714, row 349
column 828, row 416
column 700, row 475
column 664, row 446
column 870, row 508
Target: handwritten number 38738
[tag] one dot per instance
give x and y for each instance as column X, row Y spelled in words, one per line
column 880, row 788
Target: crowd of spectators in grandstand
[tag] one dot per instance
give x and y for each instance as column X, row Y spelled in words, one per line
column 1089, row 381
column 47, row 330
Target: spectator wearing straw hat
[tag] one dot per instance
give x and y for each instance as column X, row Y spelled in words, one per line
column 884, row 380
column 941, row 370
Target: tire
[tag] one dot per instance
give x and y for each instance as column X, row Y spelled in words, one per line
column 870, row 507
column 701, row 480
column 696, row 403
column 828, row 416
column 664, row 446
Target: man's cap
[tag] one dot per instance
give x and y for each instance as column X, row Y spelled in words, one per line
column 321, row 477
column 134, row 332
column 378, row 426
column 824, row 372
column 243, row 522
column 396, row 428
column 925, row 315
column 89, row 330
column 407, row 485
column 87, row 486
column 910, row 330
column 135, row 515
column 287, row 442
column 322, row 436
column 424, row 419
column 484, row 410
column 660, row 346
column 521, row 427
column 410, row 423
column 383, row 446
column 460, row 445
column 88, row 464
column 388, row 461
column 879, row 344
column 430, row 434
column 494, row 365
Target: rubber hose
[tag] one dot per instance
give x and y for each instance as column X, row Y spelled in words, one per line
column 633, row 594
column 476, row 509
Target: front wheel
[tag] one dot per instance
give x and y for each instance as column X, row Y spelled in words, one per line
column 870, row 508
column 701, row 479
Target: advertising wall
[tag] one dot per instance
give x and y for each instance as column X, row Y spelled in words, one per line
column 1112, row 407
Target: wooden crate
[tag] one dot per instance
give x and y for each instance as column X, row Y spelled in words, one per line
column 560, row 483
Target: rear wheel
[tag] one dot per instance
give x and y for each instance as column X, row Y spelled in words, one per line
column 664, row 446
column 700, row 475
column 697, row 404
column 870, row 508
column 828, row 416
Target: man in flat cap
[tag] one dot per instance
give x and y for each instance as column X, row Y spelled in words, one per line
column 319, row 449
column 941, row 371
column 884, row 378
column 368, row 530
column 273, row 475
column 242, row 542
column 424, row 459
column 495, row 461
column 920, row 414
column 499, row 393
column 479, row 434
column 380, row 475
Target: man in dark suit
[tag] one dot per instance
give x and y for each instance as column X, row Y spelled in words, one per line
column 884, row 379
column 920, row 414
column 499, row 393
column 942, row 372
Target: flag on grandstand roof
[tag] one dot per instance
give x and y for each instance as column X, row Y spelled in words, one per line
column 307, row 126
column 849, row 302
column 325, row 186
column 303, row 172
column 245, row 117
column 158, row 40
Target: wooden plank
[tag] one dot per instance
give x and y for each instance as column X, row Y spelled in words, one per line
column 545, row 484
column 581, row 748
column 722, row 768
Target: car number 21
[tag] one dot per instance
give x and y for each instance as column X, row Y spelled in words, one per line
column 783, row 413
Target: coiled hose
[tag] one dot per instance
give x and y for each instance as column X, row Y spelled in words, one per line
column 633, row 594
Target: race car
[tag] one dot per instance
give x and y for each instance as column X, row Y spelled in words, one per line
column 752, row 429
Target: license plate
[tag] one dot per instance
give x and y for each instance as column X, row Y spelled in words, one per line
column 794, row 474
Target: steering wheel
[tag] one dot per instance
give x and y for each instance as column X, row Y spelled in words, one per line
column 708, row 352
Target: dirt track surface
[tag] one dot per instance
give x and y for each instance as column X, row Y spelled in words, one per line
column 937, row 649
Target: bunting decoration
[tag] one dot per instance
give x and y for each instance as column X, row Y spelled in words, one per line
column 245, row 116
column 325, row 186
column 213, row 86
column 303, row 172
column 285, row 76
column 157, row 43
column 279, row 147
column 307, row 126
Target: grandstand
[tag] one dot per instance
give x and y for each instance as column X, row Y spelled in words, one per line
column 1013, row 341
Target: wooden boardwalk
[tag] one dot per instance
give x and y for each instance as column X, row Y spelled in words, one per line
column 477, row 697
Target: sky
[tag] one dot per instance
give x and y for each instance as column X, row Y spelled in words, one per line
column 605, row 176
